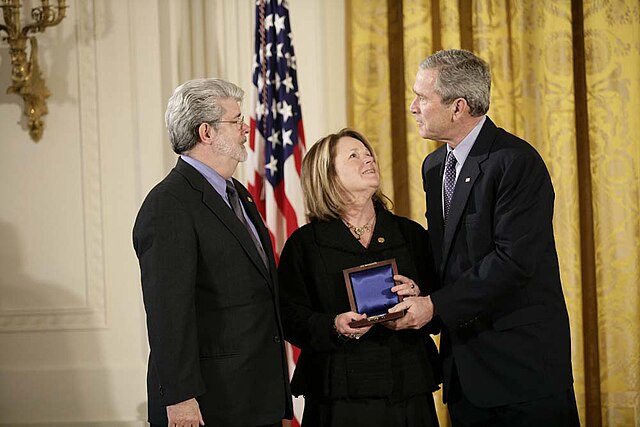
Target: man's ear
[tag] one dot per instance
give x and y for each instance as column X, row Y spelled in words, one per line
column 206, row 132
column 459, row 107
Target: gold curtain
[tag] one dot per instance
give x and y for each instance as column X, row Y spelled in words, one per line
column 566, row 78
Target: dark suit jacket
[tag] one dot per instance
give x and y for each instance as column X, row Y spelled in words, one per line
column 383, row 363
column 505, row 320
column 212, row 305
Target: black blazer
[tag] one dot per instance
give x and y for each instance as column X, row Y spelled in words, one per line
column 383, row 363
column 212, row 305
column 505, row 320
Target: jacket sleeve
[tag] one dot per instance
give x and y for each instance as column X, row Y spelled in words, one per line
column 303, row 325
column 427, row 279
column 166, row 245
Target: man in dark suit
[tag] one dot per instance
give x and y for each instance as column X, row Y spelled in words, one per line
column 209, row 276
column 505, row 338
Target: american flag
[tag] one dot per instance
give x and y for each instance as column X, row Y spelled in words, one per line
column 276, row 139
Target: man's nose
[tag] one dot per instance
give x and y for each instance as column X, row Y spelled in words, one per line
column 413, row 107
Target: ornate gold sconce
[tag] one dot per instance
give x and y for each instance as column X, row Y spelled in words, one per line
column 25, row 74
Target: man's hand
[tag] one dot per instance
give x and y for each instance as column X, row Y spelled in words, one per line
column 420, row 311
column 185, row 414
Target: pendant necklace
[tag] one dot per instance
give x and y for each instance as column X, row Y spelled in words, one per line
column 359, row 231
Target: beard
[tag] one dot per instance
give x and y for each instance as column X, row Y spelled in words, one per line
column 230, row 148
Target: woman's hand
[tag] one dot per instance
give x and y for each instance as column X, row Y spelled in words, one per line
column 405, row 286
column 341, row 325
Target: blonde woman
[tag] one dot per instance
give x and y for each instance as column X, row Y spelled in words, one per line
column 369, row 376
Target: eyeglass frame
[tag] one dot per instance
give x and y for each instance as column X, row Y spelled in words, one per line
column 239, row 122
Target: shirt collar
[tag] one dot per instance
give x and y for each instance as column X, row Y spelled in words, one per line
column 216, row 180
column 462, row 150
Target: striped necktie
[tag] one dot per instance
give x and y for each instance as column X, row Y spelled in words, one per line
column 449, row 182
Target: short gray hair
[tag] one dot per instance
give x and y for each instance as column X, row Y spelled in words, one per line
column 461, row 74
column 193, row 103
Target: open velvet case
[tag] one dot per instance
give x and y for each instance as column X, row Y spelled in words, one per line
column 369, row 289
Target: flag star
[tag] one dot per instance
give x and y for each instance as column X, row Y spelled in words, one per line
column 260, row 82
column 286, row 137
column 279, row 23
column 272, row 165
column 291, row 60
column 274, row 109
column 279, row 53
column 260, row 111
column 286, row 111
column 288, row 83
column 266, row 79
column 268, row 21
column 273, row 139
column 255, row 62
column 277, row 81
column 268, row 49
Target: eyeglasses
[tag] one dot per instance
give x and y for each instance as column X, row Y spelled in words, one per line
column 239, row 121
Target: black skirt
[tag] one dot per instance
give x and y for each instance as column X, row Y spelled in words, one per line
column 416, row 411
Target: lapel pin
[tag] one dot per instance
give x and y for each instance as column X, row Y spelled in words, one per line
column 380, row 239
column 467, row 179
column 251, row 200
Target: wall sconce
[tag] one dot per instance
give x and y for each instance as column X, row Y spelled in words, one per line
column 25, row 74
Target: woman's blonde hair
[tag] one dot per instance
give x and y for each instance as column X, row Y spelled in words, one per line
column 324, row 194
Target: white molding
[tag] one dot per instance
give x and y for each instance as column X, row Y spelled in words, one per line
column 147, row 101
column 93, row 314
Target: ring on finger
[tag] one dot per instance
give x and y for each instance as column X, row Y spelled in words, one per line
column 413, row 285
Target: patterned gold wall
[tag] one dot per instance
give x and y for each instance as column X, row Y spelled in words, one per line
column 539, row 81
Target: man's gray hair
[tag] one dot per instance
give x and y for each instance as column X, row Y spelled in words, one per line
column 461, row 74
column 193, row 103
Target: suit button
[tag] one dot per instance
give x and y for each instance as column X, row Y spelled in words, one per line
column 276, row 338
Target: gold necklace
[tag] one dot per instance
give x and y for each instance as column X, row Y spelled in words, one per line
column 359, row 231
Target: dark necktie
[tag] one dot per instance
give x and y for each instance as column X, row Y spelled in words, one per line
column 232, row 194
column 449, row 182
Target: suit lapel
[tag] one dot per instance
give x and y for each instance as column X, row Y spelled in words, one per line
column 258, row 223
column 468, row 175
column 214, row 202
